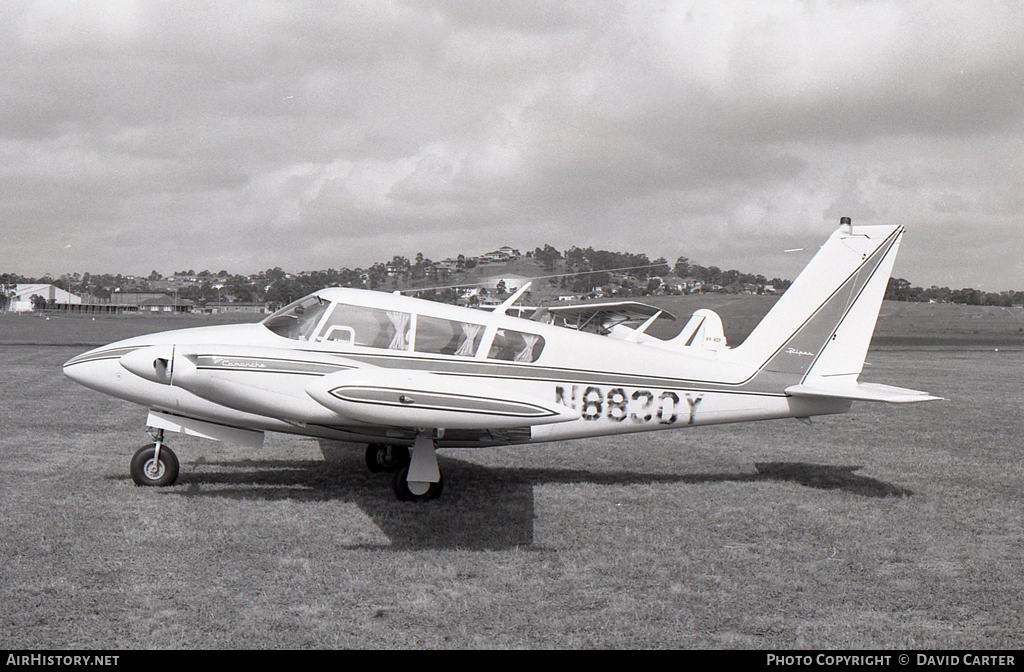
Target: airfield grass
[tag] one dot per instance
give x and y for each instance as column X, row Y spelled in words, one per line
column 890, row 527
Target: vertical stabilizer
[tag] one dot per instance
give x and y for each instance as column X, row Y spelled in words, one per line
column 822, row 325
column 704, row 331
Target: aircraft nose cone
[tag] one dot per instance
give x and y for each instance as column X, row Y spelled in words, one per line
column 73, row 370
column 93, row 368
column 76, row 367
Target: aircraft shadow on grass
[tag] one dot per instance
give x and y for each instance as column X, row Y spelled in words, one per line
column 492, row 508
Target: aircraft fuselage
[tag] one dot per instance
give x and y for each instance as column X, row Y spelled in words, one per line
column 254, row 377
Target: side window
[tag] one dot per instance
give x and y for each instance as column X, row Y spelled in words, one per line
column 447, row 337
column 368, row 327
column 516, row 346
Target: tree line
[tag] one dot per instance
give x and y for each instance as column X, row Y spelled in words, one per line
column 901, row 290
column 579, row 270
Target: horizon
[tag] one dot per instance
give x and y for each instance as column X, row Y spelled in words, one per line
column 293, row 273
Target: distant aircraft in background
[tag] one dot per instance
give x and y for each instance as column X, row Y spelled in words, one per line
column 407, row 376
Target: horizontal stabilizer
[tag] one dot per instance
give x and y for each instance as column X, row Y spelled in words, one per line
column 860, row 392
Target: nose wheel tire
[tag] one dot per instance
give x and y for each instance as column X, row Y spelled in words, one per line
column 147, row 469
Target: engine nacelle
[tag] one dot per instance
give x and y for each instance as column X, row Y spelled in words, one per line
column 401, row 398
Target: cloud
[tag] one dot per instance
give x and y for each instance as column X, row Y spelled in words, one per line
column 287, row 133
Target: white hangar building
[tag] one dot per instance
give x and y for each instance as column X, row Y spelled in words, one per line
column 21, row 300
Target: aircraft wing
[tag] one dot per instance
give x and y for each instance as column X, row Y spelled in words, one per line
column 601, row 317
column 859, row 392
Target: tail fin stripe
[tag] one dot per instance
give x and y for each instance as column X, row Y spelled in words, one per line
column 690, row 340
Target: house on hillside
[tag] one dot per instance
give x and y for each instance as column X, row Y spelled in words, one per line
column 448, row 265
column 502, row 254
column 690, row 285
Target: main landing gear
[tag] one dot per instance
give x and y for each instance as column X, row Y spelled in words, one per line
column 380, row 457
column 155, row 463
column 417, row 478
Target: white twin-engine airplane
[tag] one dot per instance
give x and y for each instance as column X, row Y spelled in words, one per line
column 404, row 374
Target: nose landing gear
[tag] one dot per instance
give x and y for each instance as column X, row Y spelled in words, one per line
column 155, row 463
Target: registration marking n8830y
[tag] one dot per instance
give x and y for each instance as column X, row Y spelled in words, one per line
column 621, row 404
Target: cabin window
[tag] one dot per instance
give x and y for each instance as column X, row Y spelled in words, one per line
column 516, row 346
column 368, row 327
column 298, row 319
column 447, row 337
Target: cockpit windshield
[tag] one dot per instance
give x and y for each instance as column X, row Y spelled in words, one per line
column 298, row 319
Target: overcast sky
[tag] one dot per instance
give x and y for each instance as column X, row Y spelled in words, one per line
column 239, row 136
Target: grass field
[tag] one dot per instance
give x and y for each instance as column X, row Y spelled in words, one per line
column 890, row 527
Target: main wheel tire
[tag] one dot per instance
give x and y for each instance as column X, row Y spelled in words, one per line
column 380, row 457
column 147, row 471
column 400, row 485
